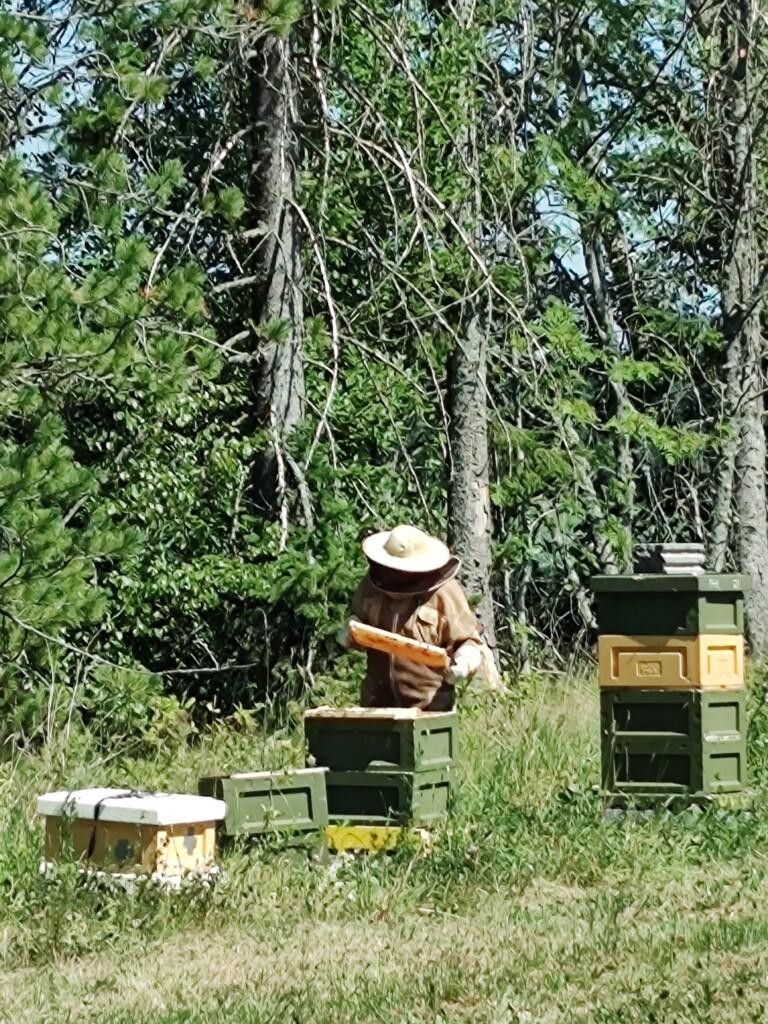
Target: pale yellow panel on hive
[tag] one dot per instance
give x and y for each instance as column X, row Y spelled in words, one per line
column 707, row 662
column 185, row 848
column 115, row 846
column 108, row 845
column 724, row 661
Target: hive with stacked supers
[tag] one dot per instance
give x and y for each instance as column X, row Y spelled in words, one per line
column 672, row 680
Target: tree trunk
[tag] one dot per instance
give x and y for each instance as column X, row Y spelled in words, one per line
column 742, row 477
column 277, row 377
column 750, row 494
column 470, row 527
column 469, row 507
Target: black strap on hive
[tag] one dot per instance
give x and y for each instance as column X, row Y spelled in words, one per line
column 97, row 811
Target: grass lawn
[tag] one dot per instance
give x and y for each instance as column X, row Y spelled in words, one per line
column 532, row 907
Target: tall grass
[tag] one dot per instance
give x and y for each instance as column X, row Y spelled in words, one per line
column 533, row 906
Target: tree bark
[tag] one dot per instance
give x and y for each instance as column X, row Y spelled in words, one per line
column 470, row 527
column 277, row 375
column 469, row 506
column 742, row 478
column 750, row 494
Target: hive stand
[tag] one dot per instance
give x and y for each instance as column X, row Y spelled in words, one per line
column 375, row 838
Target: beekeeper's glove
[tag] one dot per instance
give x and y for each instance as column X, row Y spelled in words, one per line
column 466, row 661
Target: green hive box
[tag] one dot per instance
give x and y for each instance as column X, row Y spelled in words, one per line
column 380, row 739
column 260, row 803
column 656, row 605
column 394, row 798
column 667, row 743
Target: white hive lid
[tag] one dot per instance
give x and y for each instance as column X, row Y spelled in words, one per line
column 131, row 806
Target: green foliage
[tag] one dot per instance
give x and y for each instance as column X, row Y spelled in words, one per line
column 91, row 358
column 281, row 15
column 508, row 172
column 48, row 556
column 131, row 704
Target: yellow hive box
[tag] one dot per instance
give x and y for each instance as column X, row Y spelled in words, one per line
column 707, row 662
column 119, row 831
column 372, row 838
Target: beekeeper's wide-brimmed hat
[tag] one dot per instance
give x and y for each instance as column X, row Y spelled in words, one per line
column 408, row 549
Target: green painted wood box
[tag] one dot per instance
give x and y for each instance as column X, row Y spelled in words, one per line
column 657, row 605
column 380, row 798
column 260, row 803
column 673, row 742
column 381, row 739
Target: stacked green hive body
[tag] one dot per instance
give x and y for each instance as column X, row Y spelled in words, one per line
column 385, row 765
column 672, row 696
column 655, row 605
column 673, row 743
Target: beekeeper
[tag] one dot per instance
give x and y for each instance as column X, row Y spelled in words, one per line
column 411, row 589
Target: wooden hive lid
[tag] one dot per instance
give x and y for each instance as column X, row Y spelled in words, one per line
column 276, row 774
column 394, row 714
